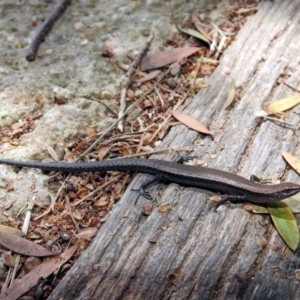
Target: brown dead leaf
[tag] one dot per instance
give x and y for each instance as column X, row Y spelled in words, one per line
column 149, row 76
column 198, row 25
column 231, row 95
column 23, row 246
column 282, row 105
column 147, row 209
column 175, row 67
column 52, row 153
column 8, row 259
column 190, row 122
column 45, row 269
column 86, row 233
column 164, row 207
column 101, row 202
column 292, row 160
column 11, row 230
column 103, row 152
column 90, row 131
column 167, row 57
column 261, row 241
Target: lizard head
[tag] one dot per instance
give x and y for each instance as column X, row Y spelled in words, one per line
column 286, row 190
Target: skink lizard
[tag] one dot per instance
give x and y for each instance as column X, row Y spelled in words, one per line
column 236, row 188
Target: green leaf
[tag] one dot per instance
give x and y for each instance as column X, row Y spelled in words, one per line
column 195, row 34
column 285, row 223
column 292, row 202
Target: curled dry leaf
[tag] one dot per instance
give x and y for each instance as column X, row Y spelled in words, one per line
column 248, row 207
column 52, row 153
column 190, row 122
column 8, row 259
column 87, row 233
column 284, row 252
column 147, row 209
column 91, row 131
column 167, row 57
column 149, row 76
column 103, row 152
column 164, row 207
column 282, row 105
column 101, row 202
column 297, row 273
column 292, row 160
column 231, row 95
column 274, row 247
column 17, row 126
column 175, row 67
column 215, row 198
column 78, row 215
column 261, row 241
column 15, row 142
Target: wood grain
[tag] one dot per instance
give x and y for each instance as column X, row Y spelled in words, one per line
column 214, row 254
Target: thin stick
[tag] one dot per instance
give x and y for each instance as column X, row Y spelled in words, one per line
column 291, row 86
column 197, row 71
column 167, row 119
column 98, row 189
column 278, row 121
column 58, row 11
column 127, row 80
column 120, row 118
column 120, row 138
column 53, row 200
column 71, row 214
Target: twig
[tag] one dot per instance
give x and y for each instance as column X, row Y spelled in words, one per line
column 222, row 42
column 291, row 86
column 277, row 121
column 120, row 118
column 197, row 71
column 130, row 156
column 104, row 104
column 62, row 256
column 159, row 96
column 71, row 214
column 97, row 189
column 58, row 11
column 120, row 138
column 159, row 151
column 162, row 125
column 53, row 200
column 127, row 80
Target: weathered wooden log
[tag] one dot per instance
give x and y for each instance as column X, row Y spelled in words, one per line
column 214, row 255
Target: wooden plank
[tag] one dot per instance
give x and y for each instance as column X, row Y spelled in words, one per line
column 214, row 254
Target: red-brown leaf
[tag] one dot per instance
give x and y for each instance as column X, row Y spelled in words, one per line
column 23, row 246
column 190, row 122
column 165, row 58
column 45, row 269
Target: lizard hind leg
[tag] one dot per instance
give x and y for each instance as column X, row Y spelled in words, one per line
column 143, row 187
column 229, row 198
